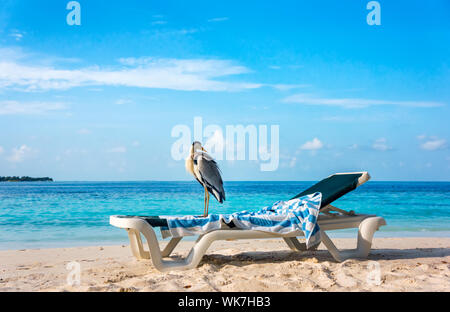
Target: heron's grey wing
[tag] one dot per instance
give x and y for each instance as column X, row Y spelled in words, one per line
column 210, row 174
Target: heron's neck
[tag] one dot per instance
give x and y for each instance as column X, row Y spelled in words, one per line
column 189, row 164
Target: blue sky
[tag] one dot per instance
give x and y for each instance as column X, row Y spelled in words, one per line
column 98, row 101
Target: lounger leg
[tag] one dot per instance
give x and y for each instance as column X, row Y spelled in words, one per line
column 367, row 229
column 294, row 244
column 136, row 245
column 170, row 246
column 365, row 235
column 136, row 227
column 331, row 247
column 190, row 262
column 196, row 253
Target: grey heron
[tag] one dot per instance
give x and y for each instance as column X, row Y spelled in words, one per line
column 206, row 171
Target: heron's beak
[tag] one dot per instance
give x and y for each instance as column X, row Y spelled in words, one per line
column 204, row 150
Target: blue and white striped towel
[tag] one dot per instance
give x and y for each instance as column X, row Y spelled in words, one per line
column 282, row 217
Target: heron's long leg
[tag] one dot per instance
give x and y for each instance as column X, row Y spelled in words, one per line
column 204, row 207
column 207, row 203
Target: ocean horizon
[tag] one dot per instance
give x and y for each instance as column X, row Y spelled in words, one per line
column 76, row 213
column 190, row 180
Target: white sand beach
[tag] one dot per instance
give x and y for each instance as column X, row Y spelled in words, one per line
column 405, row 264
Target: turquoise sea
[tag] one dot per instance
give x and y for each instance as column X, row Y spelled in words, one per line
column 63, row 214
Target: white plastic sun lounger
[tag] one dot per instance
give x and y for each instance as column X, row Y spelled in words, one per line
column 331, row 218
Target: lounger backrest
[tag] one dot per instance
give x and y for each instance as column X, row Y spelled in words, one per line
column 336, row 185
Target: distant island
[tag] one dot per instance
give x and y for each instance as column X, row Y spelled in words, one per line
column 25, row 179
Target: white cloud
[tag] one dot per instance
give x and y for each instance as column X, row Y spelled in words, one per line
column 12, row 54
column 143, row 72
column 118, row 149
column 354, row 102
column 288, row 160
column 287, row 87
column 433, row 144
column 16, row 35
column 381, row 145
column 75, row 152
column 421, row 137
column 338, row 118
column 29, row 108
column 292, row 162
column 123, row 101
column 175, row 74
column 183, row 31
column 159, row 23
column 1, row 150
column 17, row 54
column 313, row 145
column 19, row 154
column 218, row 19
column 84, row 131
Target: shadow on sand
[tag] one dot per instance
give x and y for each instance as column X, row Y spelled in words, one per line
column 260, row 257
